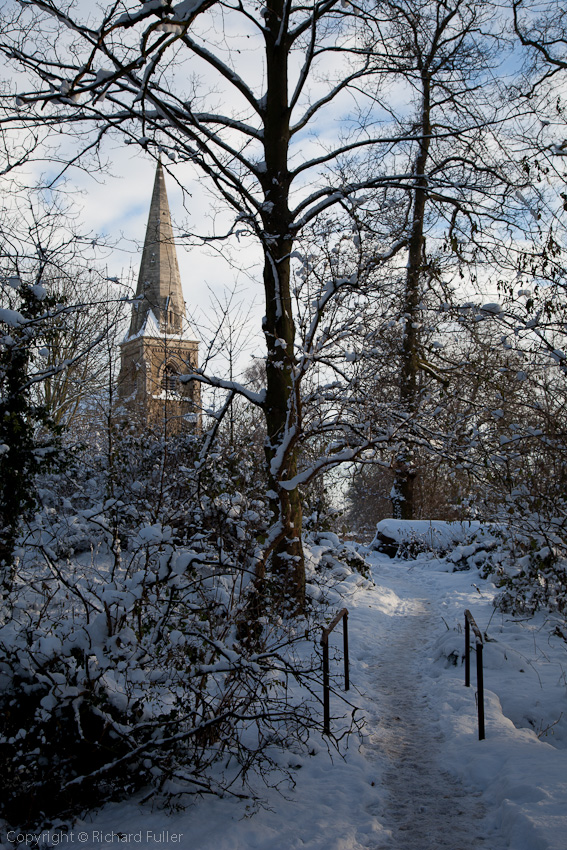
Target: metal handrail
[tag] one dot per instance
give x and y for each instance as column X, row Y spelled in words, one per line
column 342, row 615
column 471, row 624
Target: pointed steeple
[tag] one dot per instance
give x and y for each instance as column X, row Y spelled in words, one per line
column 159, row 282
column 160, row 346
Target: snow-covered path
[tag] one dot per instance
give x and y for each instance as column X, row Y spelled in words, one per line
column 419, row 779
column 426, row 808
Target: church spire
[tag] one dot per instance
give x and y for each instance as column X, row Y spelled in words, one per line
column 159, row 283
column 159, row 349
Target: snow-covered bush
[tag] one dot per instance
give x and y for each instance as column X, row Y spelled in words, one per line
column 131, row 651
column 524, row 493
column 122, row 672
column 337, row 557
column 482, row 550
column 536, row 580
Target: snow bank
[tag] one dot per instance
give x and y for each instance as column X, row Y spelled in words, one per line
column 397, row 536
column 521, row 767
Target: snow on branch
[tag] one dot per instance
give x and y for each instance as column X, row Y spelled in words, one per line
column 256, row 398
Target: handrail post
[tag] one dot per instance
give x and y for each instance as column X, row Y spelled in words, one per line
column 467, row 652
column 326, row 708
column 345, row 650
column 470, row 623
column 342, row 615
column 480, row 691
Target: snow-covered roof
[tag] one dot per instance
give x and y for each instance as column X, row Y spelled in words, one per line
column 151, row 330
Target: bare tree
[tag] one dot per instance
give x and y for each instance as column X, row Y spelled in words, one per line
column 130, row 72
column 95, row 310
column 157, row 73
column 542, row 27
column 461, row 207
column 49, row 347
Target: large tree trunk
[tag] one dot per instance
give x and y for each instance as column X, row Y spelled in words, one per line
column 282, row 408
column 406, row 468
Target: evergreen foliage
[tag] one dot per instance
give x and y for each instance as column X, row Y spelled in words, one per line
column 28, row 435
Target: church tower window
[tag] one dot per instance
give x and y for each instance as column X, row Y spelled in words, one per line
column 170, row 378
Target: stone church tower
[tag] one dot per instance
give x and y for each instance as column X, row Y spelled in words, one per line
column 160, row 346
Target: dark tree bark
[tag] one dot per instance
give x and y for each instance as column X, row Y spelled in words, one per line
column 406, row 467
column 281, row 406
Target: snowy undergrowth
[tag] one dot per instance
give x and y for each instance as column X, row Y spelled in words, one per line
column 283, row 812
column 140, row 669
column 339, row 800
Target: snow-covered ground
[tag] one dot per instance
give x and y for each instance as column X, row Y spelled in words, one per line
column 419, row 778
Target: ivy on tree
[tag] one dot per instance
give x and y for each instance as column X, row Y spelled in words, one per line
column 28, row 436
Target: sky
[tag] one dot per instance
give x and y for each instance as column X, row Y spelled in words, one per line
column 130, row 189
